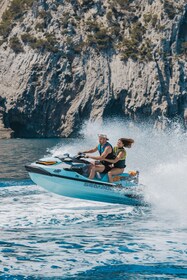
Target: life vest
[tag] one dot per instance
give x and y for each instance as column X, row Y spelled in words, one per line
column 121, row 162
column 109, row 156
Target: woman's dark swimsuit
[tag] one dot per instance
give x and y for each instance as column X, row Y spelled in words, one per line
column 119, row 164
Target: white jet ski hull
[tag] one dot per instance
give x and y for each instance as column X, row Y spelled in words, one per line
column 55, row 179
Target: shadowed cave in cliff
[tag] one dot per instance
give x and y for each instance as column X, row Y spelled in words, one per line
column 114, row 109
column 22, row 131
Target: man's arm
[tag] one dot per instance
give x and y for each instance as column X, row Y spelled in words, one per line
column 90, row 151
column 103, row 155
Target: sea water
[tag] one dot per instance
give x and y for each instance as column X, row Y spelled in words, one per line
column 46, row 236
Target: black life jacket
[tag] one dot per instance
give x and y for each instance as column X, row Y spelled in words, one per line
column 109, row 156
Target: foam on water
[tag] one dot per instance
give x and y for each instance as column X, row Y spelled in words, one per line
column 167, row 190
column 43, row 234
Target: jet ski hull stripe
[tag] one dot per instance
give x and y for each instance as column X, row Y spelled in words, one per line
column 44, row 172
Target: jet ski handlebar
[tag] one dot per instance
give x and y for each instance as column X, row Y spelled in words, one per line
column 77, row 158
column 80, row 155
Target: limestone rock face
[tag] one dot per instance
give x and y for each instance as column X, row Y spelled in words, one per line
column 65, row 62
column 5, row 133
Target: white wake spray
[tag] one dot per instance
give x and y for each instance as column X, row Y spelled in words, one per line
column 161, row 158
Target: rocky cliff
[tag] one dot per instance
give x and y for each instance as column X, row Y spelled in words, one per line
column 65, row 62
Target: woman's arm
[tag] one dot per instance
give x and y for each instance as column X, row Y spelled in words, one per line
column 119, row 157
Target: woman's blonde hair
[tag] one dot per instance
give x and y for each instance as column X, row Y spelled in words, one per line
column 127, row 142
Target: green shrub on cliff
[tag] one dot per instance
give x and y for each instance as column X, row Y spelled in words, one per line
column 100, row 39
column 17, row 8
column 51, row 40
column 92, row 26
column 114, row 29
column 137, row 31
column 150, row 18
column 129, row 49
column 5, row 28
column 15, row 44
column 135, row 47
column 40, row 26
column 145, row 51
column 65, row 20
column 147, row 17
column 97, row 35
column 78, row 48
column 14, row 12
column 28, row 38
column 121, row 3
column 47, row 44
column 1, row 42
column 154, row 20
column 109, row 15
column 184, row 47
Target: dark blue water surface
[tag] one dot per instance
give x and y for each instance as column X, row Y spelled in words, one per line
column 16, row 153
column 46, row 236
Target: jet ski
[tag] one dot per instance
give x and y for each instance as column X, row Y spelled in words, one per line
column 68, row 176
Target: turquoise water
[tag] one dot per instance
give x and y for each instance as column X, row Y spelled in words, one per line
column 46, row 236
